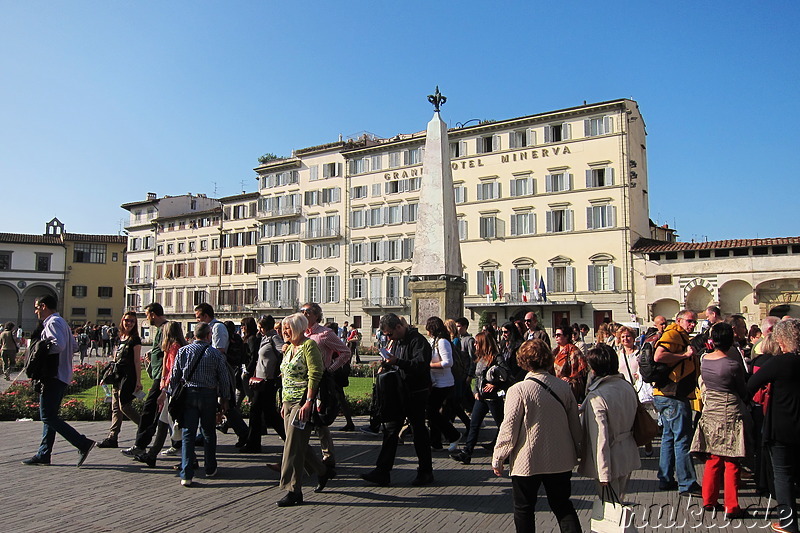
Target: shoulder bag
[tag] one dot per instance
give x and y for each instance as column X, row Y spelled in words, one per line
column 177, row 402
column 548, row 389
column 645, row 429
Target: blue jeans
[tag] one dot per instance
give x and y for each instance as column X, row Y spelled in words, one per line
column 201, row 407
column 49, row 404
column 784, row 467
column 676, row 439
column 479, row 410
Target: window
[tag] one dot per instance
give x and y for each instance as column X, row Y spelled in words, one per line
column 43, row 262
column 375, row 217
column 103, row 311
column 357, row 250
column 488, row 144
column 490, row 283
column 357, row 218
column 557, row 182
column 523, row 224
column 357, row 286
column 557, row 132
column 394, row 250
column 393, row 214
column 599, row 177
column 170, row 249
column 105, row 292
column 412, row 156
column 598, row 126
column 79, row 291
column 522, row 138
column 292, row 251
column 376, row 251
column 488, row 191
column 410, row 212
column 491, row 227
column 181, row 247
column 359, row 166
column 160, row 249
column 393, row 288
column 375, row 162
column 663, row 279
column 458, row 149
column 377, row 190
column 601, row 277
column 524, row 281
column 91, row 253
column 462, row 229
column 5, row 260
column 460, row 193
column 192, row 246
column 331, row 170
column 408, row 248
column 133, row 245
column 331, row 289
column 559, row 220
column 358, row 192
column 521, row 187
column 560, row 278
column 394, row 159
column 78, row 311
column 227, row 267
column 601, row 216
column 312, row 288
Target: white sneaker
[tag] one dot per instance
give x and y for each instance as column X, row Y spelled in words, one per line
column 454, row 445
column 186, row 482
column 172, row 450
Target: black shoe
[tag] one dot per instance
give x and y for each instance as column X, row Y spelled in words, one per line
column 250, row 449
column 145, row 458
column 462, row 457
column 179, row 466
column 36, row 460
column 667, row 485
column 694, row 490
column 348, row 427
column 108, row 442
column 382, row 480
column 740, row 514
column 437, row 447
column 291, row 498
column 83, row 454
column 423, row 478
column 369, row 431
column 222, row 428
column 712, row 508
column 322, row 480
column 241, row 443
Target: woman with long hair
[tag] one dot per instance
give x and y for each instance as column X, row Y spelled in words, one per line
column 569, row 363
column 723, row 429
column 129, row 375
column 173, row 340
column 486, row 398
column 442, row 383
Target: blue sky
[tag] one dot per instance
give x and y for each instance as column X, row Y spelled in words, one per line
column 105, row 101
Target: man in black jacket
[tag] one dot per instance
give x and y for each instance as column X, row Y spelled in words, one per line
column 411, row 355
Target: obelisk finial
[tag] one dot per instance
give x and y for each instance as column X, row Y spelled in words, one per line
column 437, row 99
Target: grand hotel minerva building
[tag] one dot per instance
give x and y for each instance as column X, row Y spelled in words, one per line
column 550, row 208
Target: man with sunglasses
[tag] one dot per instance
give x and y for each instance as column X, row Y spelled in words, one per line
column 534, row 330
column 672, row 403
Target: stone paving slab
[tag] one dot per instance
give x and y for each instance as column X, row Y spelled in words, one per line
column 112, row 493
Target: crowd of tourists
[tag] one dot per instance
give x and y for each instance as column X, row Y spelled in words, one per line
column 727, row 396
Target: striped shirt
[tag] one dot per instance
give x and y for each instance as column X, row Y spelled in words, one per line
column 329, row 343
column 211, row 372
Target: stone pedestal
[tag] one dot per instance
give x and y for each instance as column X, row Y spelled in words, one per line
column 442, row 298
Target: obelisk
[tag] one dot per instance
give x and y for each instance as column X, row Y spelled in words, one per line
column 437, row 286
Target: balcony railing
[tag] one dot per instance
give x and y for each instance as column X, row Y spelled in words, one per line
column 321, row 234
column 385, row 302
column 232, row 308
column 283, row 212
column 292, row 304
column 140, row 280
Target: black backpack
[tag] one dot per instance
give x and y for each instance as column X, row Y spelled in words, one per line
column 649, row 369
column 326, row 406
column 236, row 354
column 40, row 364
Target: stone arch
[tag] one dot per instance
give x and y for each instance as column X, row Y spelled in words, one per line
column 9, row 303
column 783, row 294
column 33, row 291
column 666, row 307
column 698, row 298
column 736, row 297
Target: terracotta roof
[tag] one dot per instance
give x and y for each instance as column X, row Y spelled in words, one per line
column 114, row 239
column 22, row 238
column 653, row 246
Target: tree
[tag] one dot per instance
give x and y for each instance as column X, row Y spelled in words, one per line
column 266, row 158
column 484, row 320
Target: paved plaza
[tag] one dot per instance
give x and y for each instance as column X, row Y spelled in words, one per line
column 113, row 493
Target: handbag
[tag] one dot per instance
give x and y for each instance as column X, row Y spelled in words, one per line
column 177, row 402
column 609, row 515
column 109, row 375
column 645, row 429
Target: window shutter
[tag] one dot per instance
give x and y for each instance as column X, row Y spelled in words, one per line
column 587, row 128
column 462, row 148
column 589, row 180
column 609, row 176
column 514, row 225
column 512, row 140
column 497, row 190
column 549, row 222
column 500, row 228
column 548, row 134
column 335, row 288
column 480, row 192
column 566, row 131
column 514, row 279
column 551, row 278
column 611, row 215
column 548, row 183
column 592, row 281
column 568, row 219
column 481, row 283
column 227, row 213
column 534, row 278
column 531, row 137
column 496, row 145
column 589, row 218
column 608, row 124
column 612, row 277
column 568, row 181
column 570, row 279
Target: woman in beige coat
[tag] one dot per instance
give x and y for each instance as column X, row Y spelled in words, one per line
column 540, row 435
column 609, row 453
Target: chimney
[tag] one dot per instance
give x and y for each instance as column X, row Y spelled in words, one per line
column 151, row 196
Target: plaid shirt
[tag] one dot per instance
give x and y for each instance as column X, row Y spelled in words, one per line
column 329, row 343
column 211, row 372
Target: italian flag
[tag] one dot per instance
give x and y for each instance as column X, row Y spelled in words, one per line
column 524, row 289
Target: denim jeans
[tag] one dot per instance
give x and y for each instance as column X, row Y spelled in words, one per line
column 201, row 408
column 676, row 439
column 479, row 410
column 784, row 467
column 49, row 404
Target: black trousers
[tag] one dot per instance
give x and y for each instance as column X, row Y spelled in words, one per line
column 415, row 412
column 440, row 424
column 264, row 409
column 558, row 488
column 149, row 416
